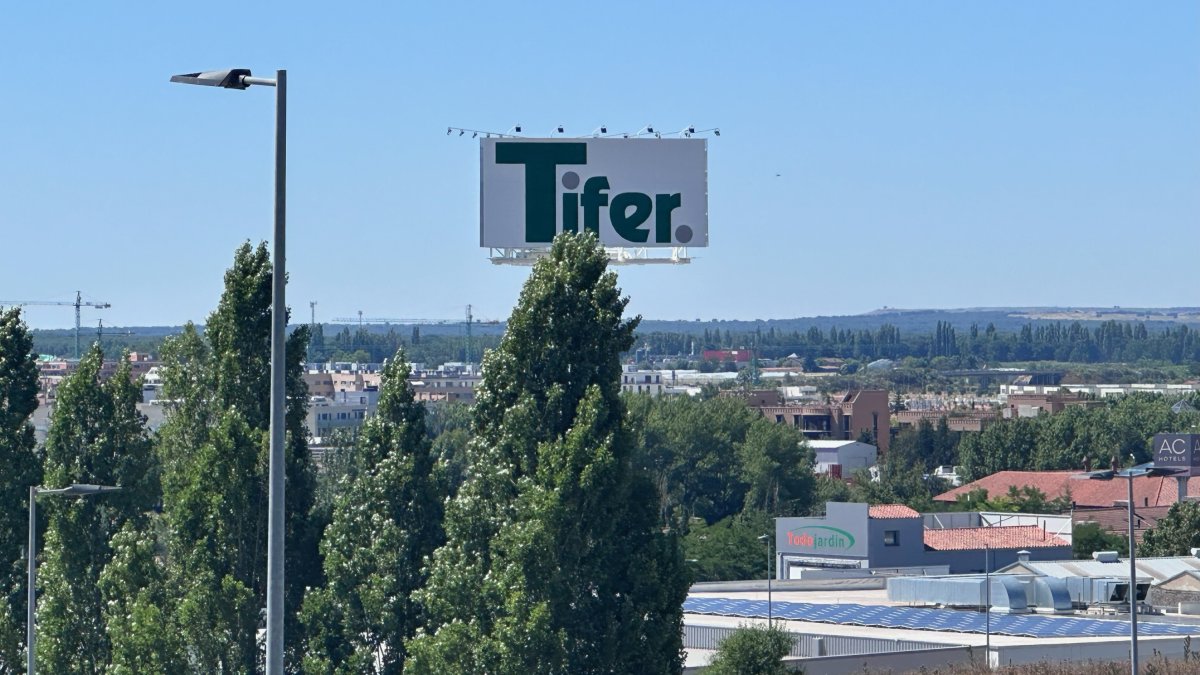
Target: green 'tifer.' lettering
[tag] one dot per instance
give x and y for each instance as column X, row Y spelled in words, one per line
column 627, row 211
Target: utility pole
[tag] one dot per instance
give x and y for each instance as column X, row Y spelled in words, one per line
column 469, row 334
column 312, row 327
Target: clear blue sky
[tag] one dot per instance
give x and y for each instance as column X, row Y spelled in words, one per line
column 929, row 154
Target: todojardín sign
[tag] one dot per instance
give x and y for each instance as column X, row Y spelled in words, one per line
column 631, row 192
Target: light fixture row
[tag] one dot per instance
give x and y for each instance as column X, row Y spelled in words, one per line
column 599, row 132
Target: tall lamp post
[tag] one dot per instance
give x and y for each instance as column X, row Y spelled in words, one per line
column 766, row 539
column 240, row 78
column 74, row 490
column 1147, row 469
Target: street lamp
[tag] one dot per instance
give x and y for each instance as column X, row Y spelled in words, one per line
column 1147, row 469
column 240, row 78
column 74, row 490
column 766, row 539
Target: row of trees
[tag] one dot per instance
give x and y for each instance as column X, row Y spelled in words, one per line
column 1118, row 428
column 534, row 546
column 1110, row 341
column 374, row 346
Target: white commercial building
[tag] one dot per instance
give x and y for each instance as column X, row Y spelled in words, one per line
column 846, row 456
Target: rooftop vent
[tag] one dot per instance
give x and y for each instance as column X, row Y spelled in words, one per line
column 1023, row 556
column 1195, row 552
column 1105, row 556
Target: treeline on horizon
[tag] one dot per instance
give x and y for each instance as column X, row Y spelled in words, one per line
column 355, row 344
column 1111, row 341
column 977, row 345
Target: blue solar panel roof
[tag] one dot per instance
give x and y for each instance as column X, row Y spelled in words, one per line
column 919, row 618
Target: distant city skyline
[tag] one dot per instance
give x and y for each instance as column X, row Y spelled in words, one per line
column 937, row 155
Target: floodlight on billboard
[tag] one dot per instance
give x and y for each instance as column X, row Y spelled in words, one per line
column 631, row 192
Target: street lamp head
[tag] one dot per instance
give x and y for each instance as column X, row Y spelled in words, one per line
column 764, row 538
column 83, row 490
column 226, row 79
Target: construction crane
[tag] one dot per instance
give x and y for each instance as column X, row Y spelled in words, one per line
column 77, row 305
column 100, row 332
column 469, row 323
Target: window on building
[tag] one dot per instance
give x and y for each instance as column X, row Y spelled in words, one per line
column 891, row 537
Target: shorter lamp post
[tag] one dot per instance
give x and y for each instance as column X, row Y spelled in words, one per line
column 74, row 490
column 766, row 539
column 1147, row 469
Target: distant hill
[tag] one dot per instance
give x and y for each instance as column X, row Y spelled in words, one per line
column 1006, row 319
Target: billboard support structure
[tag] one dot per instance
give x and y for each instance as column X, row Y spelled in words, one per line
column 524, row 257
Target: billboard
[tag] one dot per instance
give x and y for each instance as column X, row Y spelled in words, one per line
column 841, row 533
column 1178, row 451
column 632, row 192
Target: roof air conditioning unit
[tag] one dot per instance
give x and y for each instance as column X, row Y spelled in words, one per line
column 1105, row 556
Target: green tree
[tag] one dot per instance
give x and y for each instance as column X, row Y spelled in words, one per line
column 1174, row 534
column 1087, row 538
column 777, row 465
column 554, row 560
column 829, row 489
column 20, row 468
column 752, row 650
column 137, row 612
column 96, row 436
column 214, row 446
column 689, row 448
column 729, row 550
column 450, row 428
column 385, row 525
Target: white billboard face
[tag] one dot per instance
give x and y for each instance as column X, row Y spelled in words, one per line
column 631, row 192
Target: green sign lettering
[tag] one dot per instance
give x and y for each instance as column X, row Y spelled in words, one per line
column 628, row 212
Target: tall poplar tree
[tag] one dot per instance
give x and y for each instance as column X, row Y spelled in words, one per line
column 96, row 436
column 20, row 468
column 386, row 523
column 214, row 449
column 554, row 562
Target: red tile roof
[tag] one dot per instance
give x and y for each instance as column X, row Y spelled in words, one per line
column 1116, row 519
column 891, row 511
column 1017, row 536
column 1147, row 490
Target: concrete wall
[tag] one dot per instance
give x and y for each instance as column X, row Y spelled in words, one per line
column 909, row 550
column 972, row 561
column 1092, row 650
column 891, row 662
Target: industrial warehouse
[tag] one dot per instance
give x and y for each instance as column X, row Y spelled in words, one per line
column 1024, row 612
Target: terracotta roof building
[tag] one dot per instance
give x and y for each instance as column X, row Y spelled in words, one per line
column 1148, row 491
column 893, row 538
column 1116, row 519
column 974, row 538
column 891, row 511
